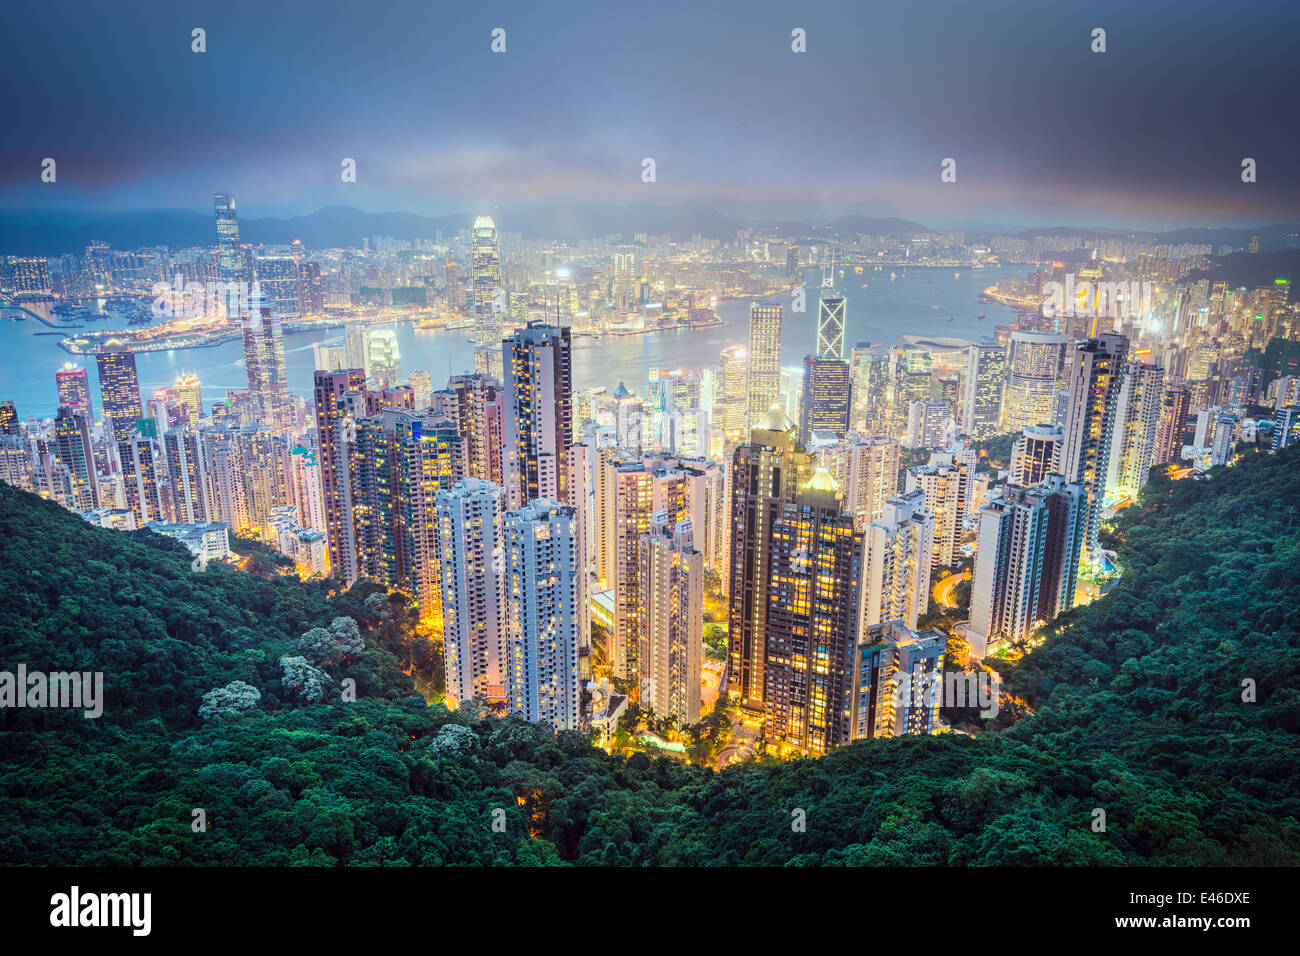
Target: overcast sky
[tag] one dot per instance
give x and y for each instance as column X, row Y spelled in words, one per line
column 1044, row 132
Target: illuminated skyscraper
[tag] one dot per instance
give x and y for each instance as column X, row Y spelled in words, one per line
column 469, row 516
column 277, row 279
column 385, row 359
column 729, row 398
column 948, row 485
column 766, row 473
column 897, row 554
column 8, row 418
column 489, row 297
column 981, row 390
column 830, row 324
column 475, row 403
column 1026, row 561
column 73, row 386
column 336, row 431
column 142, row 464
column 311, row 291
column 230, row 257
column 1137, row 414
column 268, row 383
column 671, row 619
column 1095, row 379
column 73, row 448
column 1036, row 362
column 763, row 387
column 1036, row 454
column 545, row 595
column 826, row 397
column 187, row 476
column 190, row 393
column 119, row 389
column 812, row 620
column 537, row 428
column 865, row 469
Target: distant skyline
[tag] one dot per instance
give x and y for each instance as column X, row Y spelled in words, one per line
column 1149, row 135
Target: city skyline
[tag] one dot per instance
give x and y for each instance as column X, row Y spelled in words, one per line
column 693, row 435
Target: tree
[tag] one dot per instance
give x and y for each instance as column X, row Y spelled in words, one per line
column 235, row 698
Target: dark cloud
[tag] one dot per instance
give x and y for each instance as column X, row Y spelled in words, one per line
column 1150, row 133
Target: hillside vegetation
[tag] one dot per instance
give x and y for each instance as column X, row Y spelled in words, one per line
column 1133, row 705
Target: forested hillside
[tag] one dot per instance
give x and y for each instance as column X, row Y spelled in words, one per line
column 1133, row 705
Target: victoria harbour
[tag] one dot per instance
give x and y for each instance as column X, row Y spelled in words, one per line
column 917, row 301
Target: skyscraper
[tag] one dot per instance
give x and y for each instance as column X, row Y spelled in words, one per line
column 119, row 389
column 230, row 257
column 385, row 359
column 1174, row 408
column 896, row 677
column 469, row 516
column 830, row 324
column 545, row 594
column 671, row 591
column 898, row 554
column 628, row 493
column 1026, row 561
column 865, row 469
column 336, row 431
column 948, row 485
column 763, row 386
column 766, row 473
column 1137, row 414
column 812, row 620
column 278, row 281
column 1036, row 453
column 73, row 385
column 1090, row 425
column 537, row 428
column 187, row 474
column 981, row 390
column 8, row 418
column 268, row 382
column 729, row 397
column 74, row 451
column 476, row 405
column 1036, row 361
column 489, row 305
column 142, row 462
column 826, row 398
column 189, row 392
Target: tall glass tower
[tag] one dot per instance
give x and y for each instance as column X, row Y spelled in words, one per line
column 230, row 258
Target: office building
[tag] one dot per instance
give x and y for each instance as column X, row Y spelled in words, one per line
column 119, row 389
column 763, row 386
column 826, row 397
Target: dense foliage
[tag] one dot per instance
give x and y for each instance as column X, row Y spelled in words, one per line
column 1133, row 705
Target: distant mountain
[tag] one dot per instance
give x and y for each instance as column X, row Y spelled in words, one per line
column 40, row 232
column 1243, row 270
column 867, row 226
